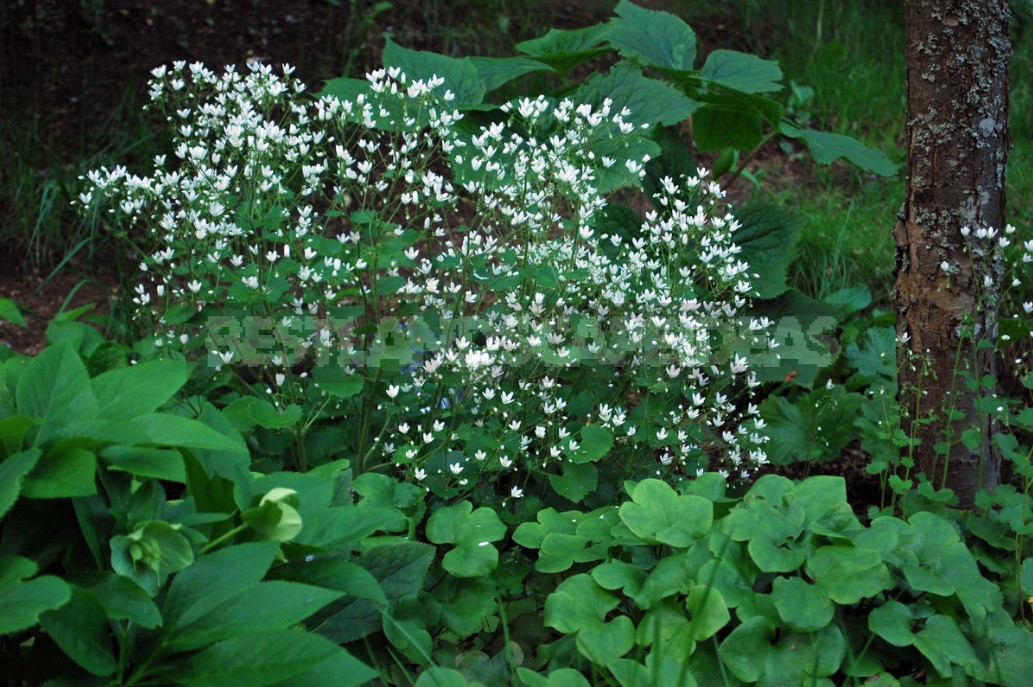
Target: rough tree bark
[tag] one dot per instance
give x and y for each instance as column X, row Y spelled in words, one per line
column 957, row 132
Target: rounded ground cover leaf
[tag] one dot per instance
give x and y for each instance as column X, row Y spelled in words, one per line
column 794, row 659
column 601, row 641
column 471, row 531
column 709, row 611
column 577, row 601
column 564, row 677
column 801, row 605
column 659, row 515
column 892, row 622
column 848, row 574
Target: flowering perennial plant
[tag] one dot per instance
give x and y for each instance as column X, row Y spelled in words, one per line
column 460, row 295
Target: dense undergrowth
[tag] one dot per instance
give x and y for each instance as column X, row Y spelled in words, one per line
column 469, row 373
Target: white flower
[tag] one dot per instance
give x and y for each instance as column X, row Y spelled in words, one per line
column 455, row 468
column 392, row 391
column 516, row 492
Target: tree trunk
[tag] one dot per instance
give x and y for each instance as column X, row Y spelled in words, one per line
column 957, row 132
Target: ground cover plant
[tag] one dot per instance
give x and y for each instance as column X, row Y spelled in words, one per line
column 430, row 383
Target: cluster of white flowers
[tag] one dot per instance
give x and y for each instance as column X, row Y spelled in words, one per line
column 380, row 207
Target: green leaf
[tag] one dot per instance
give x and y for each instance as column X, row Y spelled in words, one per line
column 675, row 161
column 498, row 71
column 146, row 462
column 577, row 481
column 124, row 599
column 577, row 602
column 564, row 677
column 743, row 72
column 892, row 622
column 23, row 600
column 801, row 605
column 460, row 74
column 801, row 323
column 848, row 574
column 466, row 604
column 471, row 532
column 255, row 660
column 56, row 389
column 753, row 654
column 9, row 312
column 336, row 382
column 172, row 430
column 655, row 37
column 563, row 50
column 340, row 670
column 441, row 677
column 709, row 611
column 827, row 147
column 659, row 515
column 401, row 569
column 650, row 101
column 661, row 670
column 875, row 359
column 815, row 427
column 602, row 641
column 80, row 628
column 252, row 610
column 1026, row 576
column 62, row 474
column 214, row 576
column 596, row 442
column 127, row 392
column 766, row 235
column 12, row 473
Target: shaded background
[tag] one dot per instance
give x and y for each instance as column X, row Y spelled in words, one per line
column 73, row 75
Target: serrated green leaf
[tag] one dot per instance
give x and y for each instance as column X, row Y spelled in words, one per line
column 460, row 74
column 127, row 392
column 173, row 430
column 400, row 568
column 1026, row 576
column 563, row 50
column 123, row 599
column 498, row 71
column 55, row 389
column 80, row 628
column 212, row 577
column 255, row 660
column 146, row 462
column 252, row 610
column 741, row 71
column 13, row 470
column 827, row 147
column 62, row 474
column 22, row 600
column 767, row 236
column 650, row 101
column 655, row 37
column 340, row 670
